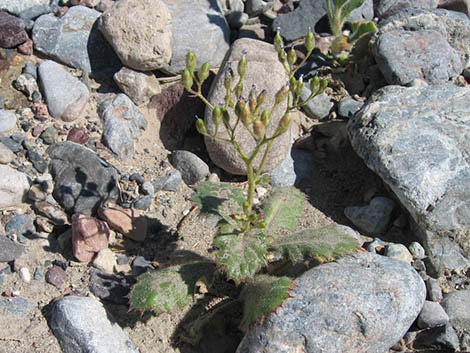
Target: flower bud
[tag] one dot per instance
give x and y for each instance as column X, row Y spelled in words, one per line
column 292, row 84
column 300, row 86
column 309, row 42
column 259, row 129
column 187, row 80
column 201, row 127
column 265, row 117
column 323, row 85
column 291, row 57
column 278, row 42
column 228, row 79
column 284, row 123
column 239, row 89
column 315, row 85
column 281, row 95
column 242, row 65
column 252, row 100
column 243, row 112
column 203, row 73
column 261, row 98
column 191, row 61
column 282, row 56
column 217, row 115
column 226, row 116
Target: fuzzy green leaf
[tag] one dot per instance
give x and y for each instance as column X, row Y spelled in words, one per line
column 349, row 6
column 360, row 29
column 241, row 255
column 263, row 296
column 283, row 210
column 169, row 289
column 219, row 198
column 322, row 244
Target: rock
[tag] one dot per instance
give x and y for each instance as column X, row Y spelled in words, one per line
column 39, row 163
column 81, row 179
column 386, row 8
column 89, row 236
column 266, row 72
column 16, row 7
column 442, row 338
column 26, row 84
column 308, row 15
column 374, row 218
column 433, row 289
column 25, row 274
column 49, row 135
column 90, row 330
column 27, row 48
column 456, row 306
column 21, row 225
column 455, row 5
column 317, row 108
column 66, row 96
column 398, row 252
column 147, row 188
column 296, row 167
column 56, row 276
column 111, row 288
column 423, row 161
column 13, row 187
column 347, row 107
column 51, row 211
column 417, row 250
column 105, row 261
column 78, row 135
column 200, row 27
column 237, row 19
column 6, row 155
column 257, row 7
column 139, row 32
column 123, row 123
column 9, row 250
column 16, row 305
column 143, row 203
column 139, row 86
column 75, row 40
column 373, row 303
column 192, row 168
column 432, row 315
column 140, row 265
column 171, row 182
column 7, row 120
column 12, row 31
column 128, row 222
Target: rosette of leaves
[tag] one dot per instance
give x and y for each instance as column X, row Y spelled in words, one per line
column 338, row 12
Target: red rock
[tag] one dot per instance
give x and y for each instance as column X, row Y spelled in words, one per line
column 12, row 31
column 128, row 222
column 89, row 236
column 37, row 130
column 56, row 276
column 26, row 48
column 40, row 111
column 78, row 135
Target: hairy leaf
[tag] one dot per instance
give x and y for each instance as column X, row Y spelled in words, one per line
column 322, row 244
column 283, row 210
column 262, row 296
column 219, row 198
column 170, row 289
column 241, row 255
column 349, row 6
column 360, row 29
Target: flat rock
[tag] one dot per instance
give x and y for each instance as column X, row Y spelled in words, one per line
column 266, row 72
column 386, row 8
column 81, row 179
column 123, row 123
column 9, row 250
column 74, row 40
column 139, row 32
column 417, row 140
column 111, row 288
column 139, row 86
column 362, row 303
column 14, row 186
column 7, row 120
column 65, row 95
column 198, row 26
column 456, row 306
column 12, row 31
column 307, row 15
column 87, row 331
column 16, row 7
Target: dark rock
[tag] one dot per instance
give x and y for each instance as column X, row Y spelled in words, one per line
column 140, row 265
column 193, row 169
column 439, row 339
column 21, row 225
column 138, row 178
column 110, row 288
column 82, row 180
column 432, row 315
column 144, row 202
column 39, row 163
column 89, row 330
column 56, row 276
column 12, row 31
column 50, row 135
column 9, row 250
column 11, row 144
column 16, row 305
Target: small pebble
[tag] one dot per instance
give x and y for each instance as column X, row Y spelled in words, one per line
column 39, row 274
column 56, row 276
column 417, row 250
column 25, row 274
column 398, row 252
column 434, row 291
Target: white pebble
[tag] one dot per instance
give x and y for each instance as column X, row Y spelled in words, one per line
column 25, row 274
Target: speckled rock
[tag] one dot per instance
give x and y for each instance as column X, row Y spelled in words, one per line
column 363, row 303
column 12, row 31
column 14, row 186
column 417, row 140
column 139, row 86
column 65, row 95
column 456, row 306
column 90, row 330
column 139, row 32
column 16, row 7
column 266, row 72
column 386, row 8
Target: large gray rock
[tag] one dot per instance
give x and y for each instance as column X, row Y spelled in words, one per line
column 385, row 8
column 7, row 120
column 13, row 186
column 266, row 72
column 198, row 26
column 81, row 179
column 65, row 95
column 296, row 24
column 417, row 140
column 456, row 305
column 363, row 303
column 82, row 325
column 123, row 123
column 139, row 32
column 18, row 6
column 74, row 40
column 192, row 168
column 404, row 56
